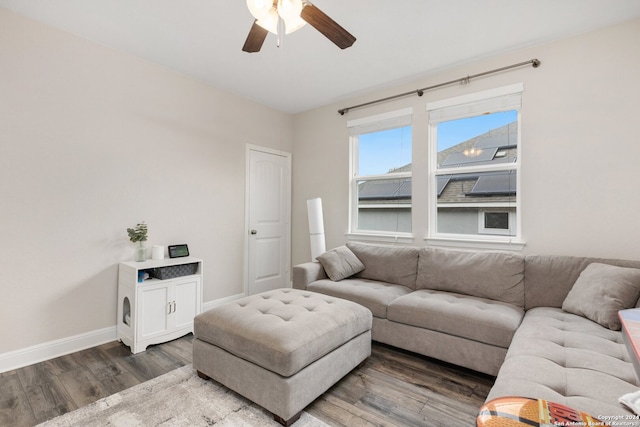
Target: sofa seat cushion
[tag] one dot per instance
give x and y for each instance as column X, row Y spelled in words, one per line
column 478, row 319
column 283, row 330
column 374, row 295
column 567, row 359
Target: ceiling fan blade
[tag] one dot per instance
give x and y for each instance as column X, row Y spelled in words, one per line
column 327, row 26
column 255, row 39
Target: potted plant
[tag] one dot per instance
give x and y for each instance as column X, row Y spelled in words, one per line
column 139, row 235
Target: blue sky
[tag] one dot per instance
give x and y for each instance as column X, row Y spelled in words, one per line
column 456, row 131
column 385, row 150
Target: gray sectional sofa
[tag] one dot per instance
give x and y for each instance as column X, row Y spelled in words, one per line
column 546, row 326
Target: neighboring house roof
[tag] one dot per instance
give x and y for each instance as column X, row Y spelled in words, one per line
column 483, row 148
column 388, row 190
column 477, row 188
column 496, row 146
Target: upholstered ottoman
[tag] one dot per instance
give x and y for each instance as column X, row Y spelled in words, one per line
column 283, row 348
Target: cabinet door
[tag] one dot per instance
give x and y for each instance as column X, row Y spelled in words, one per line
column 153, row 310
column 187, row 301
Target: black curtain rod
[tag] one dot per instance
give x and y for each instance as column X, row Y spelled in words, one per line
column 534, row 62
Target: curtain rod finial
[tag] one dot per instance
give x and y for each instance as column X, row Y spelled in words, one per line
column 536, row 63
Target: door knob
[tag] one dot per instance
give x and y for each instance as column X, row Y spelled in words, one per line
column 254, row 231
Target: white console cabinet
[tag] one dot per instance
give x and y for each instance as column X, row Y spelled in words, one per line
column 154, row 310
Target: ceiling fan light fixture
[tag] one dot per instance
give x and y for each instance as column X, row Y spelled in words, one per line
column 294, row 25
column 259, row 8
column 270, row 21
column 289, row 11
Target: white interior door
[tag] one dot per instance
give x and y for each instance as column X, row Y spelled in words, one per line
column 268, row 219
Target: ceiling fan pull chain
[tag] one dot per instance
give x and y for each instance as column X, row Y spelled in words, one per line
column 281, row 31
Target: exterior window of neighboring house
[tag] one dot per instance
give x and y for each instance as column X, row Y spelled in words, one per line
column 496, row 221
column 380, row 187
column 474, row 143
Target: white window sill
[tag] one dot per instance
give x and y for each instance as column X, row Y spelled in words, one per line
column 381, row 238
column 476, row 243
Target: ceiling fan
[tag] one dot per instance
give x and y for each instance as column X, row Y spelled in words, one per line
column 287, row 16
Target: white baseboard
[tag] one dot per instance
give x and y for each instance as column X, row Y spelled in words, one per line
column 49, row 350
column 212, row 304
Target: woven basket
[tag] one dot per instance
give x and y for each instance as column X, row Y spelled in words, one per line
column 172, row 271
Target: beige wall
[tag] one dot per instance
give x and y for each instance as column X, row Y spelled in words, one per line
column 580, row 146
column 93, row 141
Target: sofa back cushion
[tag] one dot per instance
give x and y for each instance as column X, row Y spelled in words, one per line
column 392, row 264
column 492, row 275
column 548, row 279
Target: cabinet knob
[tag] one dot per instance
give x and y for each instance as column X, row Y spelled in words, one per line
column 254, row 231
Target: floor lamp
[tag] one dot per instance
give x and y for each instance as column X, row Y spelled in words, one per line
column 316, row 227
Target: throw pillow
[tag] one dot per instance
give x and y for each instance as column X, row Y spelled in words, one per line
column 601, row 291
column 340, row 263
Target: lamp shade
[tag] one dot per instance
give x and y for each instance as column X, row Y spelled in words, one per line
column 259, row 8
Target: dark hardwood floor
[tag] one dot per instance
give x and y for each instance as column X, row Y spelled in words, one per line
column 392, row 388
column 399, row 388
column 39, row 392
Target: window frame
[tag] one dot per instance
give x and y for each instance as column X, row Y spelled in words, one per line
column 506, row 98
column 390, row 120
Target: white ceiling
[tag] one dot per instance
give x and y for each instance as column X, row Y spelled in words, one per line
column 396, row 40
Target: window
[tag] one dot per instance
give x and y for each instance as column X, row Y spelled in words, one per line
column 380, row 188
column 474, row 143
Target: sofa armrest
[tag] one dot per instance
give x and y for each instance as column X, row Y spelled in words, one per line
column 306, row 273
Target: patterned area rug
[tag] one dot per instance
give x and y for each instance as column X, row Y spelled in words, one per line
column 178, row 398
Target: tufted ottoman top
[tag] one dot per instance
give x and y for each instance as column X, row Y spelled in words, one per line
column 283, row 330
